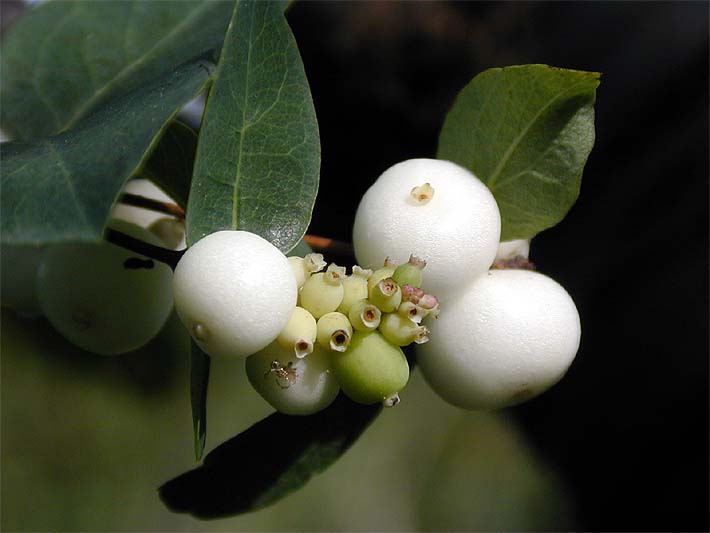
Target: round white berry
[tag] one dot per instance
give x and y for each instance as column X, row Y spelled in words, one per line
column 291, row 385
column 509, row 336
column 513, row 249
column 235, row 292
column 104, row 298
column 432, row 209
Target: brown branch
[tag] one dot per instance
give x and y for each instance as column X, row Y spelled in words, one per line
column 164, row 255
column 331, row 246
column 168, row 208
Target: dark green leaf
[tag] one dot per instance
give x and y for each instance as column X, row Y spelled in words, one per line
column 62, row 188
column 526, row 131
column 199, row 379
column 63, row 60
column 258, row 155
column 170, row 164
column 268, row 461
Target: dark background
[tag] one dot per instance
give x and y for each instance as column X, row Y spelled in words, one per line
column 628, row 426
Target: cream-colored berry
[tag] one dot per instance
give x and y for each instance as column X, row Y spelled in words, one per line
column 510, row 335
column 239, row 287
column 300, row 333
column 334, row 332
column 457, row 230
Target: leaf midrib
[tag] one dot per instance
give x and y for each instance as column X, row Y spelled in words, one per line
column 130, row 68
column 516, row 142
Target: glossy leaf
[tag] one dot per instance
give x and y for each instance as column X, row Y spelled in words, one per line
column 258, row 155
column 63, row 60
column 526, row 131
column 268, row 461
column 62, row 188
column 170, row 164
column 199, row 380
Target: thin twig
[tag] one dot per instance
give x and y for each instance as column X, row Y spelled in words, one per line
column 164, row 255
column 331, row 246
column 168, row 208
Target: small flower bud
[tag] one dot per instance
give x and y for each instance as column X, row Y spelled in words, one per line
column 299, row 334
column 411, row 294
column 354, row 288
column 386, row 295
column 334, row 332
column 430, row 305
column 401, row 331
column 320, row 294
column 410, row 273
column 364, row 316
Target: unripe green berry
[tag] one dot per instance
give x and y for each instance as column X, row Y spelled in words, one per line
column 334, row 332
column 323, row 291
column 303, row 267
column 354, row 288
column 372, row 370
column 299, row 334
column 364, row 316
column 401, row 331
column 382, row 273
column 386, row 295
column 411, row 311
column 293, row 386
column 410, row 273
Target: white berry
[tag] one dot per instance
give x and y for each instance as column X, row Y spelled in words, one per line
column 235, row 292
column 103, row 298
column 431, row 209
column 513, row 249
column 291, row 385
column 509, row 336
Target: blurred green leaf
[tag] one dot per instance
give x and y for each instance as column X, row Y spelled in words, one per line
column 258, row 156
column 526, row 131
column 62, row 188
column 63, row 60
column 170, row 164
column 199, row 380
column 268, row 461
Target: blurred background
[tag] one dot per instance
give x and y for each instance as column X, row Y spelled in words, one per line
column 621, row 443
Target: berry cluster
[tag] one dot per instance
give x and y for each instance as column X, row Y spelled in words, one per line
column 506, row 333
column 346, row 333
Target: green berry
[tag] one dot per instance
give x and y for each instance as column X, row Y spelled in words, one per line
column 364, row 316
column 334, row 332
column 372, row 370
column 401, row 331
column 382, row 273
column 323, row 291
column 354, row 288
column 386, row 295
column 293, row 386
column 410, row 273
column 299, row 334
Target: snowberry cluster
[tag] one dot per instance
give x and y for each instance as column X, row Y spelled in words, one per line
column 345, row 334
column 505, row 333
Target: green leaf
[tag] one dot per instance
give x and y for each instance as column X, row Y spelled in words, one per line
column 63, row 60
column 170, row 164
column 258, row 155
column 199, row 380
column 62, row 188
column 268, row 461
column 526, row 131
